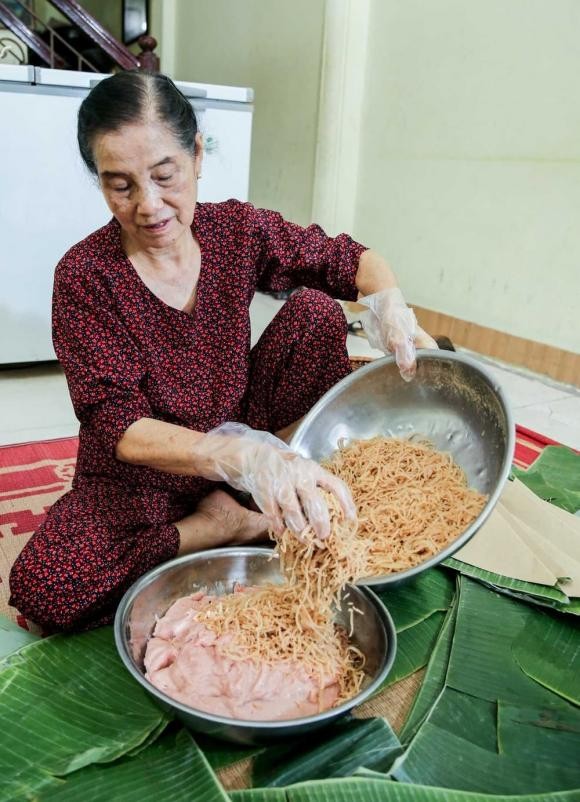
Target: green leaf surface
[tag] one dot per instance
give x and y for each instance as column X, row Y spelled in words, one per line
column 220, row 754
column 548, row 651
column 469, row 738
column 151, row 738
column 336, row 751
column 70, row 702
column 403, row 792
column 571, row 607
column 377, row 790
column 550, row 734
column 173, row 768
column 434, row 679
column 555, row 477
column 531, row 589
column 413, row 602
column 466, row 717
column 13, row 637
column 259, row 795
column 441, row 758
column 414, row 647
column 481, row 662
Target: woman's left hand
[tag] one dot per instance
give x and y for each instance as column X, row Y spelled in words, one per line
column 391, row 326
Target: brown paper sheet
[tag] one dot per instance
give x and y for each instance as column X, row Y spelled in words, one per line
column 500, row 548
column 560, row 527
column 529, row 539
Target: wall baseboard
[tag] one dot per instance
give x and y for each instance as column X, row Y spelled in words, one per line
column 555, row 362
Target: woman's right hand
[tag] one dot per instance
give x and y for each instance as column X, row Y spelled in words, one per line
column 285, row 486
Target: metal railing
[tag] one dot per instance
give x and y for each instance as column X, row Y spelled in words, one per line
column 50, row 56
column 82, row 20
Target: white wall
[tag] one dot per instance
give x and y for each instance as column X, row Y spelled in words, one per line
column 275, row 47
column 465, row 173
column 469, row 173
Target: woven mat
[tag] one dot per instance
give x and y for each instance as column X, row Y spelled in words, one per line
column 34, row 475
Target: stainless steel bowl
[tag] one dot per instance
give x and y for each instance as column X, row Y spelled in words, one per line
column 218, row 571
column 452, row 401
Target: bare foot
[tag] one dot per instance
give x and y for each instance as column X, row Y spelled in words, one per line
column 287, row 432
column 240, row 523
column 219, row 520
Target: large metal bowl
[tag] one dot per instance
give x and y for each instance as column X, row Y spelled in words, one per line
column 452, row 401
column 218, row 571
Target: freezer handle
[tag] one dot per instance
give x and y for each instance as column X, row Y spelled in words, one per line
column 192, row 91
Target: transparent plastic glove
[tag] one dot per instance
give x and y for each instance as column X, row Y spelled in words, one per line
column 391, row 326
column 284, row 485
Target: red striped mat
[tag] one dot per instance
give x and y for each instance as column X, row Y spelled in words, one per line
column 529, row 446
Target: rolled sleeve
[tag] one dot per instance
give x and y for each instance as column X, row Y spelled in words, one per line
column 292, row 256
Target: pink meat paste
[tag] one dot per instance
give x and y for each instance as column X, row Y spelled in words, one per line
column 185, row 660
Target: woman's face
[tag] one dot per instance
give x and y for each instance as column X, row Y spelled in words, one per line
column 149, row 182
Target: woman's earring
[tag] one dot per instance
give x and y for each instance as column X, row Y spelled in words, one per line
column 198, row 176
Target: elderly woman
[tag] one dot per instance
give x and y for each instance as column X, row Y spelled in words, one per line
column 151, row 326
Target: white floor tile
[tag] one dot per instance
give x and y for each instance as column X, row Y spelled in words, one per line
column 32, row 435
column 524, row 390
column 559, row 420
column 262, row 309
column 35, row 405
column 359, row 346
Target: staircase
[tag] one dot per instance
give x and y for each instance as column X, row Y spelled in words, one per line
column 80, row 44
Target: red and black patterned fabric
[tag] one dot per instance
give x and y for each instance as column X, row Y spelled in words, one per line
column 127, row 355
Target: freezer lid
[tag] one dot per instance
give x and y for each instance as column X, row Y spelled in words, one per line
column 237, row 94
column 86, row 80
column 45, row 76
column 17, row 73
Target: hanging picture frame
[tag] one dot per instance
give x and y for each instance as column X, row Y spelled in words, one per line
column 135, row 20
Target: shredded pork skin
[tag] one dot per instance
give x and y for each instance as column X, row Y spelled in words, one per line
column 189, row 662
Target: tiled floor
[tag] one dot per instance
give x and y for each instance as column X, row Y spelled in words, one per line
column 34, row 402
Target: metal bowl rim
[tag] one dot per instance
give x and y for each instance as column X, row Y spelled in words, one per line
column 123, row 651
column 455, row 545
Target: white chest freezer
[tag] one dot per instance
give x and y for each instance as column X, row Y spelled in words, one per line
column 49, row 201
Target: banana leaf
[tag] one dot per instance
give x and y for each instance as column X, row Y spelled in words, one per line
column 414, row 647
column 555, row 477
column 333, row 752
column 413, row 602
column 481, row 662
column 220, row 754
column 406, row 791
column 370, row 789
column 548, row 651
column 259, row 795
column 500, row 582
column 441, row 758
column 13, row 637
column 70, row 702
column 461, row 733
column 466, row 717
column 474, row 714
column 173, row 768
column 571, row 607
column 434, row 679
column 151, row 738
column 553, row 734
